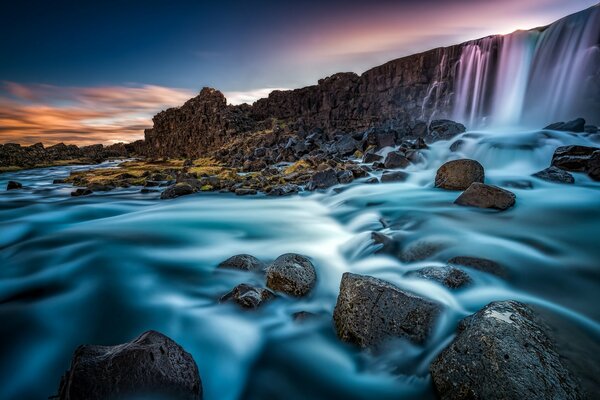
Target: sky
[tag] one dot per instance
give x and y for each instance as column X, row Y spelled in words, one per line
column 96, row 72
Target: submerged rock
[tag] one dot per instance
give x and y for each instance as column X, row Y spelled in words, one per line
column 450, row 277
column 459, row 174
column 502, row 352
column 369, row 311
column 81, row 192
column 554, row 174
column 394, row 176
column 12, row 185
column 486, row 196
column 247, row 296
column 149, row 366
column 179, row 189
column 572, row 158
column 396, row 159
column 443, row 129
column 480, row 264
column 292, row 274
column 243, row 262
column 576, row 125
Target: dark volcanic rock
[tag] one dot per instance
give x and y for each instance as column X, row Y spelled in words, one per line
column 486, row 196
column 577, row 125
column 396, row 159
column 372, row 180
column 11, row 185
column 323, row 179
column 450, row 277
column 244, row 262
column 371, row 158
column 345, row 145
column 245, row 192
column 247, row 296
column 369, row 311
column 179, row 189
column 345, row 177
column 502, row 352
column 394, row 176
column 291, row 273
column 150, row 366
column 284, row 190
column 443, row 129
column 554, row 174
column 81, row 192
column 572, row 158
column 459, row 174
column 593, row 166
column 480, row 264
column 457, row 145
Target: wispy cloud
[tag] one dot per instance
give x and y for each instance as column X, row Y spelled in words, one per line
column 81, row 115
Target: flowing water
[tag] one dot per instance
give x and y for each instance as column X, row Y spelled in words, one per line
column 103, row 268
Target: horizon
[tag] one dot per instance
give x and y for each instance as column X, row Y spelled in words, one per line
column 61, row 107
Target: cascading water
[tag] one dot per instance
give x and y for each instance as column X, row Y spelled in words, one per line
column 532, row 78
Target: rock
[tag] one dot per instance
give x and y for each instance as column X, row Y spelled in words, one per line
column 572, row 158
column 292, row 274
column 97, row 187
column 323, row 179
column 179, row 189
column 459, row 174
column 479, row 264
column 244, row 262
column 443, row 129
column 302, row 316
column 420, row 144
column 284, row 190
column 245, row 192
column 486, row 196
column 369, row 311
column 396, row 159
column 248, row 296
column 345, row 146
column 394, row 176
column 372, row 180
column 371, row 158
column 553, row 174
column 590, row 129
column 593, row 166
column 81, row 192
column 457, row 145
column 12, row 185
column 149, row 366
column 502, row 352
column 345, row 177
column 422, row 250
column 577, row 125
column 380, row 138
column 450, row 277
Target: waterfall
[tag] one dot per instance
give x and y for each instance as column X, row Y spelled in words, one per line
column 532, row 78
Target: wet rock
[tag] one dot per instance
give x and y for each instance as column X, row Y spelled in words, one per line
column 577, row 125
column 380, row 138
column 593, row 166
column 422, row 250
column 179, row 189
column 371, row 158
column 396, row 159
column 291, row 273
column 443, row 129
column 394, row 176
column 372, row 180
column 369, row 311
column 97, row 187
column 244, row 262
column 554, row 174
column 345, row 177
column 345, row 146
column 247, row 296
column 459, row 174
column 284, row 190
column 302, row 316
column 245, row 192
column 502, row 352
column 479, row 264
column 457, row 145
column 450, row 277
column 590, row 129
column 81, row 192
column 149, row 366
column 486, row 196
column 573, row 158
column 58, row 181
column 323, row 179
column 12, row 185
column 420, row 144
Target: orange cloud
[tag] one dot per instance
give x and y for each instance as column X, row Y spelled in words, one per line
column 81, row 115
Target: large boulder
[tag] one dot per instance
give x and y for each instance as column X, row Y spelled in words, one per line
column 443, row 129
column 323, row 179
column 459, row 174
column 502, row 352
column 448, row 276
column 345, row 146
column 177, row 190
column 150, row 366
column 372, row 157
column 486, row 196
column 12, row 185
column 573, row 158
column 369, row 311
column 243, row 262
column 576, row 125
column 247, row 296
column 554, row 174
column 291, row 273
column 396, row 159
